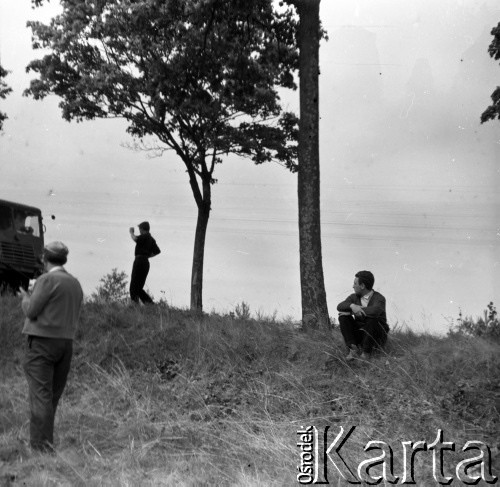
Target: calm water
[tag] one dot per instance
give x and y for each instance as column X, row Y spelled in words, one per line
column 429, row 258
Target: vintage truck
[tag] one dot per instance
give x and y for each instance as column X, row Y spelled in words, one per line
column 21, row 245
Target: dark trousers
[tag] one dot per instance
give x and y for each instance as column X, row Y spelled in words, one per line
column 46, row 364
column 365, row 333
column 140, row 271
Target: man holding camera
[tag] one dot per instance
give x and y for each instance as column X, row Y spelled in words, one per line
column 51, row 312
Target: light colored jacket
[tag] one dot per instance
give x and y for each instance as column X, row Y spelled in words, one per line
column 53, row 308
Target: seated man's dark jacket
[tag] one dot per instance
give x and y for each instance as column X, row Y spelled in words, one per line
column 375, row 308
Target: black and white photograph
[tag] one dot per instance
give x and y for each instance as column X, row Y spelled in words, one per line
column 249, row 242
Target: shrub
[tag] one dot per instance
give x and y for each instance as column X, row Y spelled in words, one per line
column 242, row 311
column 486, row 326
column 113, row 288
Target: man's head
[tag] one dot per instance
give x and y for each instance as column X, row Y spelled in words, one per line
column 143, row 227
column 55, row 253
column 363, row 282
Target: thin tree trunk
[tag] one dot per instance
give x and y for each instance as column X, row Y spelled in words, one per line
column 199, row 248
column 313, row 294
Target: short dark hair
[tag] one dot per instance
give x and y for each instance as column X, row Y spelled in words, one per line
column 366, row 278
column 55, row 259
column 144, row 226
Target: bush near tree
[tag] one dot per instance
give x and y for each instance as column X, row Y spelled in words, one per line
column 486, row 326
column 113, row 288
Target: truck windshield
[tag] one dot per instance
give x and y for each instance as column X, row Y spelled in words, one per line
column 26, row 222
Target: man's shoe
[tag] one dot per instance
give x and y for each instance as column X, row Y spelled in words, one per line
column 353, row 354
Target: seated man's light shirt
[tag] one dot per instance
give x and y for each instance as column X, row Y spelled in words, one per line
column 366, row 299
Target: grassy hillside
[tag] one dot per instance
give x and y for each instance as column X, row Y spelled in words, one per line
column 160, row 396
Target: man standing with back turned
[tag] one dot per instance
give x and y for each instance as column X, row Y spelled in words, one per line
column 362, row 317
column 145, row 247
column 51, row 315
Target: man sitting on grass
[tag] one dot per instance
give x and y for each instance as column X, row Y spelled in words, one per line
column 362, row 318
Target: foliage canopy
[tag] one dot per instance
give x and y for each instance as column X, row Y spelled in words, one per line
column 4, row 91
column 493, row 111
column 200, row 75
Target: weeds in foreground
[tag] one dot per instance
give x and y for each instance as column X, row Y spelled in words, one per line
column 159, row 396
column 486, row 326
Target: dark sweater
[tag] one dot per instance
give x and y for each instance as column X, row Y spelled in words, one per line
column 145, row 246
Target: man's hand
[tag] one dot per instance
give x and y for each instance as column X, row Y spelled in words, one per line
column 22, row 292
column 131, row 230
column 357, row 310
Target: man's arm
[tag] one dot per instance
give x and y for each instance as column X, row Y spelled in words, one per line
column 132, row 235
column 376, row 306
column 33, row 305
column 351, row 307
column 345, row 306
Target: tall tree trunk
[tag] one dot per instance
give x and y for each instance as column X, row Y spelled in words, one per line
column 314, row 306
column 199, row 248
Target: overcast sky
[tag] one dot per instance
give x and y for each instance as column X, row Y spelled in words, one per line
column 410, row 177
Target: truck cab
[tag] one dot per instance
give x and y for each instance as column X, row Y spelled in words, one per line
column 21, row 245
